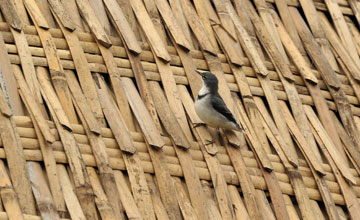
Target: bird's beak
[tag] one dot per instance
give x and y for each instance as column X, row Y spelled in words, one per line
column 198, row 72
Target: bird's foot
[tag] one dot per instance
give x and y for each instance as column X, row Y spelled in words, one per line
column 199, row 124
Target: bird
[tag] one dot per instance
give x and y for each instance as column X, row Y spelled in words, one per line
column 211, row 108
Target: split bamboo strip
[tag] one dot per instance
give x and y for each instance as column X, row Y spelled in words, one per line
column 198, row 29
column 42, row 192
column 96, row 65
column 50, row 166
column 58, row 7
column 217, row 164
column 186, row 162
column 226, row 33
column 172, row 25
column 321, row 62
column 101, row 156
column 154, row 14
column 82, row 185
column 36, row 14
column 350, row 68
column 253, row 113
column 353, row 152
column 240, row 210
column 204, row 9
column 9, row 11
column 47, row 90
column 17, row 165
column 102, row 202
column 166, row 187
column 117, row 17
column 184, row 202
column 82, row 102
column 22, row 12
column 148, row 27
column 118, row 89
column 8, row 82
column 81, row 181
column 185, row 159
column 26, row 60
column 113, row 117
column 136, row 174
column 85, row 39
column 83, row 72
column 46, row 12
column 313, row 88
column 213, row 212
column 71, row 200
column 4, row 106
column 280, row 209
column 27, row 135
column 350, row 201
column 342, row 29
column 170, row 157
column 178, row 13
column 148, row 127
column 264, row 205
column 243, row 83
column 290, row 207
column 246, row 184
column 172, row 95
column 284, row 153
column 271, row 182
column 218, row 178
column 6, row 216
column 56, row 72
column 340, row 163
column 91, row 19
column 68, row 64
column 272, row 100
column 302, row 142
column 51, row 170
column 290, row 89
column 231, row 178
column 167, row 117
column 159, row 208
column 127, row 37
column 34, row 107
column 8, row 195
column 130, row 207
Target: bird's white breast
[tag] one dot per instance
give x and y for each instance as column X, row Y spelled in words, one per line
column 210, row 116
column 204, row 90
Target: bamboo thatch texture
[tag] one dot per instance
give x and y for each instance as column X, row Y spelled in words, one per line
column 97, row 117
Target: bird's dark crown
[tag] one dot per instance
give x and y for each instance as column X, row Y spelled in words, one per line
column 209, row 80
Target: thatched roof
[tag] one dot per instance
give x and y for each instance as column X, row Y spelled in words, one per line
column 98, row 121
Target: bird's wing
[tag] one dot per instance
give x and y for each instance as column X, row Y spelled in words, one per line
column 219, row 105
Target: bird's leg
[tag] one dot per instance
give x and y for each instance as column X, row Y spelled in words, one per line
column 218, row 131
column 217, row 136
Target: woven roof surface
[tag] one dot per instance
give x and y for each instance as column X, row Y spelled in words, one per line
column 97, row 115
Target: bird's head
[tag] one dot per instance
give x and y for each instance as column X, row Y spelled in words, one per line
column 210, row 80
